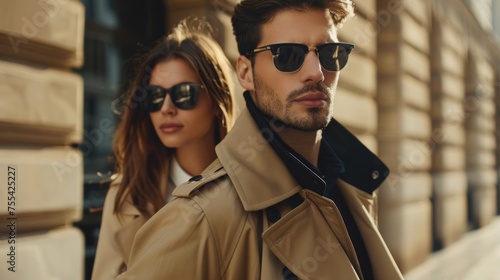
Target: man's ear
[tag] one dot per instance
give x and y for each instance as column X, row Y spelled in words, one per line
column 245, row 73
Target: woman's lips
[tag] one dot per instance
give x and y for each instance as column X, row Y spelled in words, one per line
column 170, row 127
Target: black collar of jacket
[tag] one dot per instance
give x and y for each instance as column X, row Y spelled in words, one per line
column 356, row 164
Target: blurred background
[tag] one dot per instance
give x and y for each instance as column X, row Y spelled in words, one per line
column 421, row 90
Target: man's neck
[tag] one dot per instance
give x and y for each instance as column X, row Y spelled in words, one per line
column 305, row 143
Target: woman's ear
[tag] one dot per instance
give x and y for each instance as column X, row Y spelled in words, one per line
column 245, row 73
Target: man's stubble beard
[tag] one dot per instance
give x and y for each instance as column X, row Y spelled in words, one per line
column 268, row 102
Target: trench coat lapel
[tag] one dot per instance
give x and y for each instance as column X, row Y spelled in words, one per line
column 364, row 208
column 310, row 246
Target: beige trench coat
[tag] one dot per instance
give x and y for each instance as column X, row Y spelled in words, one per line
column 115, row 237
column 216, row 228
column 117, row 234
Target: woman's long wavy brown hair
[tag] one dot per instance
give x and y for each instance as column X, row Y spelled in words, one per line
column 142, row 161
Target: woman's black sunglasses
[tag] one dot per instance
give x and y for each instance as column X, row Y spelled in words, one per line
column 183, row 96
column 289, row 57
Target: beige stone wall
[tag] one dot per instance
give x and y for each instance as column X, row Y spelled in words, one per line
column 480, row 114
column 448, row 137
column 41, row 115
column 497, row 132
column 436, row 70
column 355, row 102
column 48, row 31
column 405, row 128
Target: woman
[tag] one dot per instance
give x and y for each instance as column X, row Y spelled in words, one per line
column 178, row 108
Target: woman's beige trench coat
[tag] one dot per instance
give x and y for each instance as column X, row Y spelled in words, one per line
column 116, row 236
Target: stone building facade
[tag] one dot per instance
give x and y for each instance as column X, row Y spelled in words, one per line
column 41, row 119
column 420, row 90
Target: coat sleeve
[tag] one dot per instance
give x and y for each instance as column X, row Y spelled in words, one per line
column 108, row 259
column 176, row 243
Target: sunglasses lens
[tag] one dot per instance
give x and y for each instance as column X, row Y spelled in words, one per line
column 288, row 58
column 185, row 96
column 333, row 57
column 156, row 96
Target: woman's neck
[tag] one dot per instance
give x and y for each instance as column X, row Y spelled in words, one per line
column 305, row 143
column 195, row 157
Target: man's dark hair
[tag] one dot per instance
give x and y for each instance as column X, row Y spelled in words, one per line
column 250, row 15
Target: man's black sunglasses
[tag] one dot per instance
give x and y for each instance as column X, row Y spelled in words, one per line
column 184, row 96
column 289, row 57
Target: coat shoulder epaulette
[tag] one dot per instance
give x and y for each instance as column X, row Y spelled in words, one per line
column 188, row 189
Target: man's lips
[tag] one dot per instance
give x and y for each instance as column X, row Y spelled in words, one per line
column 170, row 127
column 313, row 99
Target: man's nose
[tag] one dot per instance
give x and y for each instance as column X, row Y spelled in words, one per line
column 311, row 69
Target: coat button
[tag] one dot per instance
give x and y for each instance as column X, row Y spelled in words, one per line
column 195, row 178
column 375, row 174
column 288, row 275
column 273, row 214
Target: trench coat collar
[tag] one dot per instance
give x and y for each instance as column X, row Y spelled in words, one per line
column 260, row 177
column 256, row 171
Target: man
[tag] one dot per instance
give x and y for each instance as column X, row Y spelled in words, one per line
column 291, row 193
